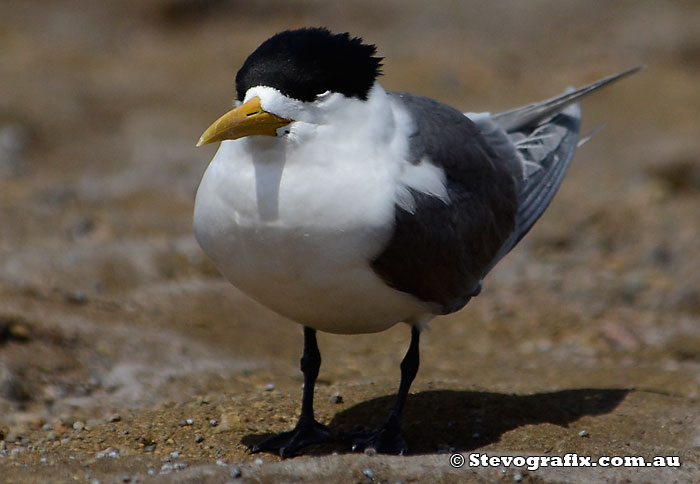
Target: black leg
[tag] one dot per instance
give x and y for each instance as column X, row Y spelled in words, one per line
column 307, row 431
column 310, row 364
column 387, row 438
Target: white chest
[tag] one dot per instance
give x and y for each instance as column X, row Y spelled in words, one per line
column 296, row 232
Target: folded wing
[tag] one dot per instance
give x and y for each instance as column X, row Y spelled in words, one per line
column 542, row 137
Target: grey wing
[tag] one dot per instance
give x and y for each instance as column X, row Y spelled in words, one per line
column 501, row 171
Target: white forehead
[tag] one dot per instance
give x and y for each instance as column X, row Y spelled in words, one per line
column 273, row 101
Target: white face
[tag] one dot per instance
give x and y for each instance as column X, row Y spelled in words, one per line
column 327, row 108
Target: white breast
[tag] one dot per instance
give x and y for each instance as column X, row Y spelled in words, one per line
column 294, row 221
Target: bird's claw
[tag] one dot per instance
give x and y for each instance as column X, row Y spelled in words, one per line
column 384, row 440
column 289, row 443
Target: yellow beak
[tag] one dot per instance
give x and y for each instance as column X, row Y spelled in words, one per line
column 246, row 120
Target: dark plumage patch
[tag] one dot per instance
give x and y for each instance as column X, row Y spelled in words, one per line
column 307, row 62
column 440, row 253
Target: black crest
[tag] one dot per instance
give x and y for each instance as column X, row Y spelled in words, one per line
column 307, row 62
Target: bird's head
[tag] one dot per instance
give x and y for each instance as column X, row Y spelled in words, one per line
column 296, row 75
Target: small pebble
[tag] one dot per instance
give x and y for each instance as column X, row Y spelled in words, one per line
column 115, row 418
column 370, row 451
column 236, row 472
column 189, row 421
column 43, row 460
column 47, row 426
column 199, row 439
column 259, row 461
column 213, row 422
column 111, row 452
column 78, row 425
column 151, row 471
column 178, row 466
column 166, row 469
column 174, row 455
column 517, row 477
column 221, row 463
column 336, row 399
column 368, row 473
column 269, row 387
column 583, row 433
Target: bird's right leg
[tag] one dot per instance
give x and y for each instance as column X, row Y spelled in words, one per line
column 307, row 431
column 387, row 439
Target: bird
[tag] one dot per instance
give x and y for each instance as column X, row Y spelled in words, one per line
column 348, row 208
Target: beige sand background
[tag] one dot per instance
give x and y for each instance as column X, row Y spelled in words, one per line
column 115, row 329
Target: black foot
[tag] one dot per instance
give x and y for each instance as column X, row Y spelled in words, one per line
column 289, row 443
column 385, row 440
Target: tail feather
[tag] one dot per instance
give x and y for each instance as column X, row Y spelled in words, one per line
column 528, row 116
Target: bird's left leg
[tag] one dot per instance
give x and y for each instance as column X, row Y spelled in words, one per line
column 387, row 439
column 307, row 431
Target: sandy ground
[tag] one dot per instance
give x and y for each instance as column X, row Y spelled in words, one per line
column 124, row 356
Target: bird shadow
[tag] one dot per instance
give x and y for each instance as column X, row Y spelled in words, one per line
column 464, row 420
